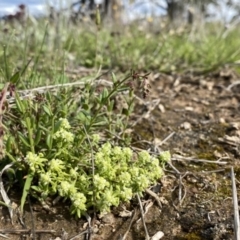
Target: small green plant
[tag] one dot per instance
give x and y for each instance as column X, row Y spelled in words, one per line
column 66, row 145
column 117, row 175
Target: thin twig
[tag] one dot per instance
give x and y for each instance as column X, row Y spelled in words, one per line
column 207, row 201
column 175, row 169
column 1, row 235
column 213, row 171
column 130, row 225
column 181, row 187
column 30, row 92
column 155, row 196
column 233, row 85
column 80, row 234
column 146, row 207
column 142, row 216
column 24, row 231
column 167, row 138
column 235, row 206
column 181, row 158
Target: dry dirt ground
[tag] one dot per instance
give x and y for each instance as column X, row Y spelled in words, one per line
column 197, row 118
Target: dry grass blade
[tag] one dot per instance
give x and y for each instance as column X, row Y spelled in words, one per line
column 31, row 93
column 166, row 139
column 3, row 236
column 235, row 206
column 177, row 157
column 25, row 231
column 3, row 192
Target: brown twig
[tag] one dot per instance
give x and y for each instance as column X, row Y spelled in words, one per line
column 130, row 225
column 142, row 216
column 80, row 234
column 155, row 196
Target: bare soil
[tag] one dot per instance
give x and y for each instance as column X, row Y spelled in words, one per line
column 200, row 115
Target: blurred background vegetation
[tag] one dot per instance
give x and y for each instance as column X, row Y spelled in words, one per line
column 164, row 35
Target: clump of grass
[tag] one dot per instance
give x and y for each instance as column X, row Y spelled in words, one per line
column 94, row 46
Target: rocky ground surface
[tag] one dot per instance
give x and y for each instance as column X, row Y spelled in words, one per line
column 197, row 118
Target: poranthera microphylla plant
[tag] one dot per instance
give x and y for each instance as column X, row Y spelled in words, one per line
column 58, row 156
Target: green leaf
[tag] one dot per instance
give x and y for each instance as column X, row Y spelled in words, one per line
column 4, row 204
column 100, row 123
column 114, row 77
column 26, row 189
column 19, row 103
column 81, row 117
column 47, row 110
column 28, row 122
column 104, row 94
column 99, row 99
column 36, row 188
column 10, row 156
column 110, row 106
column 9, row 143
column 15, row 77
column 49, row 141
column 23, row 139
column 43, row 128
column 125, row 111
column 85, row 106
column 57, row 126
column 38, row 137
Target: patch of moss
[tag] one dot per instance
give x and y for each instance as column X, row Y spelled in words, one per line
column 192, row 236
column 207, row 155
column 225, row 189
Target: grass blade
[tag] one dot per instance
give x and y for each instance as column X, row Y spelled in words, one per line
column 26, row 189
